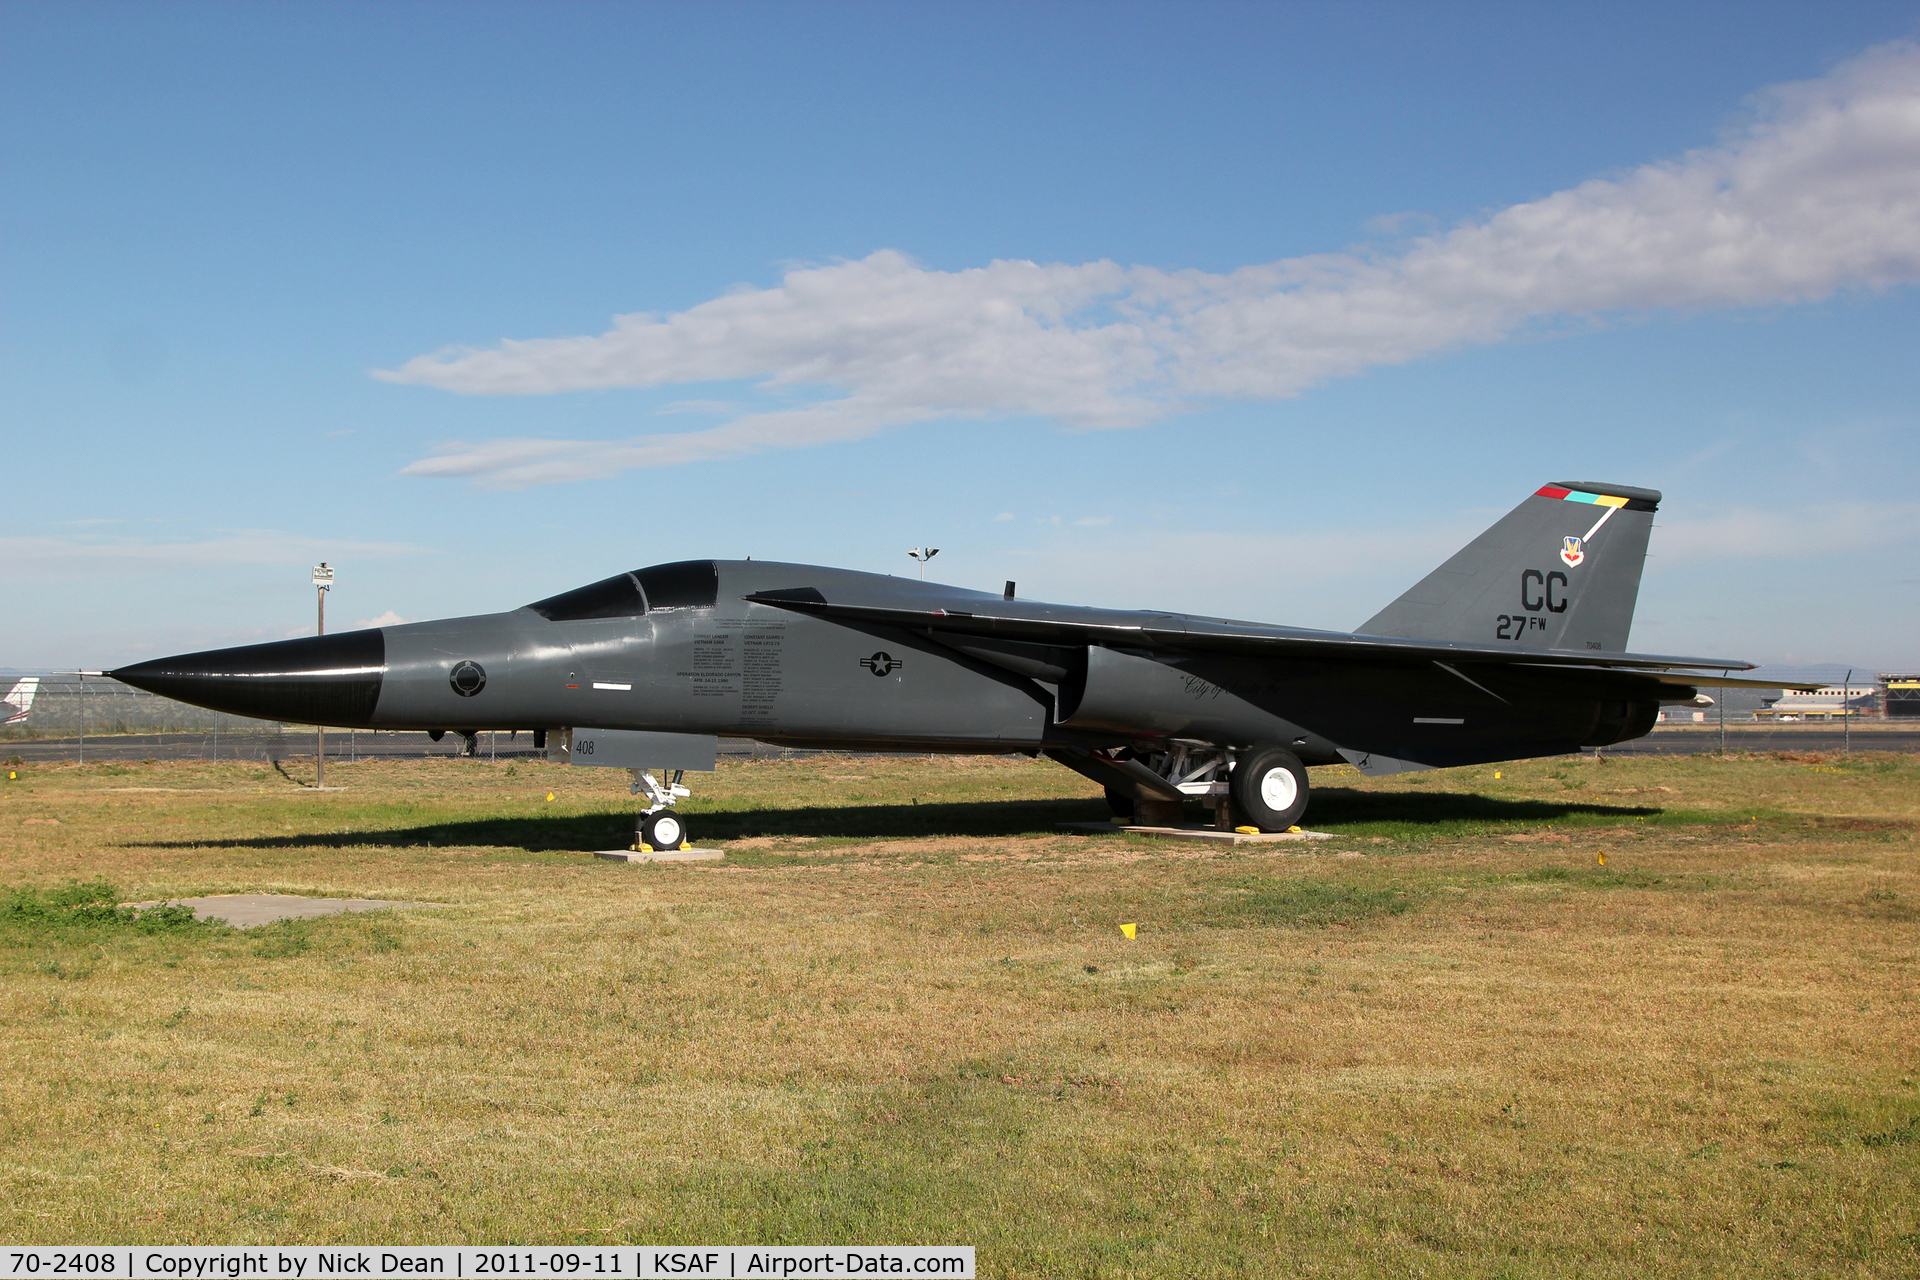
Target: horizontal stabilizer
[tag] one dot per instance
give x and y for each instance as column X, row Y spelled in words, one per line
column 1734, row 682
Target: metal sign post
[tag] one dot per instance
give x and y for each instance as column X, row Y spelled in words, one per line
column 1723, row 721
column 322, row 583
column 1846, row 714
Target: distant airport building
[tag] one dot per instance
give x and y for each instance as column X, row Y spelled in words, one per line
column 1901, row 700
column 1858, row 700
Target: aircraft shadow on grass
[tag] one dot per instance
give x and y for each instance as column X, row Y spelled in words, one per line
column 1333, row 809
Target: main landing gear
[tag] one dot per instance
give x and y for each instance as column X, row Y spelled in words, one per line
column 1269, row 786
column 1263, row 786
column 659, row 828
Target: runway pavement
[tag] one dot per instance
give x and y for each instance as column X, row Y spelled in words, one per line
column 1695, row 740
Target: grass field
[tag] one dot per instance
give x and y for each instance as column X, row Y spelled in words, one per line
column 1451, row 1042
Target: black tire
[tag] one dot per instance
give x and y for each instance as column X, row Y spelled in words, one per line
column 1269, row 786
column 1121, row 803
column 663, row 830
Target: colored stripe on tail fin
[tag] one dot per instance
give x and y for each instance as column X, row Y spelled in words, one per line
column 1559, row 571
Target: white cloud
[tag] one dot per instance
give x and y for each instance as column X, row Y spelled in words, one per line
column 45, row 557
column 387, row 619
column 512, row 463
column 1094, row 522
column 699, row 406
column 1004, row 515
column 1821, row 192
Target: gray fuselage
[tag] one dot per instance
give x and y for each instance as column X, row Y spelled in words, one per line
column 738, row 668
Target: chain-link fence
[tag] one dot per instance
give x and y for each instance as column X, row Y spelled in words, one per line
column 75, row 717
column 83, row 718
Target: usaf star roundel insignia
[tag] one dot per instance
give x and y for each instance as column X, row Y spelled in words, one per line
column 1571, row 552
column 882, row 663
column 467, row 678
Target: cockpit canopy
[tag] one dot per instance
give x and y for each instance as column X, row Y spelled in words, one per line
column 684, row 584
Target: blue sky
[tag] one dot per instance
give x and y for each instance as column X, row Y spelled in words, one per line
column 1257, row 310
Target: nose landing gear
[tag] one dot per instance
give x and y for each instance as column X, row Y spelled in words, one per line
column 659, row 828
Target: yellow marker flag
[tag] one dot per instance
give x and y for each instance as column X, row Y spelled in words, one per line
column 1603, row 859
column 1128, row 929
column 549, row 796
column 1496, row 775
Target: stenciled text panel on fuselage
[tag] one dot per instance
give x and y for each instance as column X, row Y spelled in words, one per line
column 753, row 671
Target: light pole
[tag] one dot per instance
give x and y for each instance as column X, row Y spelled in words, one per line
column 1723, row 721
column 1846, row 713
column 322, row 583
column 924, row 554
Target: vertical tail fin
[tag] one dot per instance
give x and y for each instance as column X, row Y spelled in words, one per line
column 20, row 701
column 1559, row 571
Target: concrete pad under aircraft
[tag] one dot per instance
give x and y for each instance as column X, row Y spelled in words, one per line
column 249, row 910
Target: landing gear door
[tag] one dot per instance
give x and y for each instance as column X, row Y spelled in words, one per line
column 639, row 749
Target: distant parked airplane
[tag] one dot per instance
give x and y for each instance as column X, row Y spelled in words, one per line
column 19, row 701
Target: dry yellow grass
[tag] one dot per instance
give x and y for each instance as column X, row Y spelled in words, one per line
column 1450, row 1043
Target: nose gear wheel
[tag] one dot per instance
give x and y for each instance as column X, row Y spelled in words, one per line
column 663, row 830
column 658, row 827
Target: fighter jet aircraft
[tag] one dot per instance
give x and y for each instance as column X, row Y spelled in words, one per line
column 1513, row 648
column 18, row 703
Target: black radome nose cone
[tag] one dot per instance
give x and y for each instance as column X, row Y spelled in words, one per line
column 327, row 680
